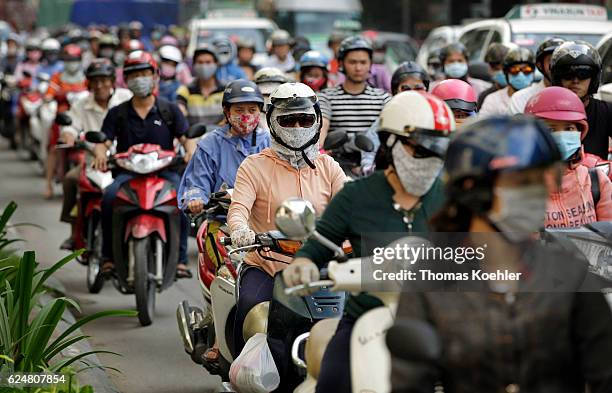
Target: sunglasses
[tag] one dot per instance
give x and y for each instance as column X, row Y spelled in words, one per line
column 525, row 69
column 418, row 150
column 580, row 72
column 418, row 86
column 305, row 120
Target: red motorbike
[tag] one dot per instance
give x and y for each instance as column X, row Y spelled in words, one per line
column 146, row 222
column 92, row 183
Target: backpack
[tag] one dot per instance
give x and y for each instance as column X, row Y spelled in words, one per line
column 595, row 191
column 165, row 111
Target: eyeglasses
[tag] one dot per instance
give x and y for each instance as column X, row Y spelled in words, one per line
column 303, row 119
column 525, row 69
column 418, row 86
column 580, row 72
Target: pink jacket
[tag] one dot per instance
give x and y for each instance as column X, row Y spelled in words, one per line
column 264, row 181
column 573, row 205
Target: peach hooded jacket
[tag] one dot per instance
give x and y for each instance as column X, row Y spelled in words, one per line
column 264, row 181
column 572, row 206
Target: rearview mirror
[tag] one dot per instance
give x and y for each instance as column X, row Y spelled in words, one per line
column 63, row 119
column 295, row 218
column 414, row 340
column 196, row 130
column 364, row 143
column 335, row 139
column 95, row 137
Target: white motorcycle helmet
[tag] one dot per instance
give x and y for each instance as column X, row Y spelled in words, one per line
column 171, row 53
column 50, row 44
column 292, row 101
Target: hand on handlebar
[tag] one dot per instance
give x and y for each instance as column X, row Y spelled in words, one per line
column 68, row 138
column 301, row 271
column 195, row 206
column 243, row 237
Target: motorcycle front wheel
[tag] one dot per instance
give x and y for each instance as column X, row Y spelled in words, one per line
column 95, row 279
column 144, row 282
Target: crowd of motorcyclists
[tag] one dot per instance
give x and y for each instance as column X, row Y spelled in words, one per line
column 526, row 150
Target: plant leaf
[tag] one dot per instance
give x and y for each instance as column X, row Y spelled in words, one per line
column 48, row 272
column 51, row 351
column 89, row 318
column 68, row 362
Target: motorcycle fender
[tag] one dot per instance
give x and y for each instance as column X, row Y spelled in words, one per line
column 368, row 342
column 143, row 225
column 222, row 292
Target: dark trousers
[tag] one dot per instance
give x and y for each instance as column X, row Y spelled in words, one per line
column 108, row 198
column 70, row 184
column 255, row 287
column 335, row 375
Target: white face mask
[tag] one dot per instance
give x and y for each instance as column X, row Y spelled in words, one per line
column 522, row 212
column 72, row 67
column 204, row 71
column 417, row 175
column 295, row 137
column 141, row 86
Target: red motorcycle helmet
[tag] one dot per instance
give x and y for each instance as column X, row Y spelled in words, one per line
column 72, row 52
column 559, row 103
column 137, row 61
column 457, row 94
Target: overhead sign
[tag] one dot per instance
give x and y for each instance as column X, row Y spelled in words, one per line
column 563, row 11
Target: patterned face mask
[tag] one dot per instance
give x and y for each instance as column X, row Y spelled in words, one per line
column 244, row 124
column 295, row 137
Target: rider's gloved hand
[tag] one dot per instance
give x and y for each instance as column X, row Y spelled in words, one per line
column 242, row 237
column 195, row 206
column 301, row 271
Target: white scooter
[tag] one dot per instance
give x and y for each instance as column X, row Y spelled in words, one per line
column 296, row 219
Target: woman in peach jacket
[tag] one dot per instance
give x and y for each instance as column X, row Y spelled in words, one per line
column 292, row 167
column 585, row 195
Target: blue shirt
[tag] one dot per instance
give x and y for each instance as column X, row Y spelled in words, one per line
column 167, row 89
column 229, row 72
column 152, row 129
column 50, row 69
column 216, row 161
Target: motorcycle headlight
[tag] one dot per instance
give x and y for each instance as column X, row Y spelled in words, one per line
column 144, row 163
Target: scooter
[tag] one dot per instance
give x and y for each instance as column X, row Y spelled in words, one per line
column 92, row 183
column 283, row 318
column 8, row 91
column 296, row 219
column 146, row 219
column 347, row 151
column 41, row 115
column 369, row 339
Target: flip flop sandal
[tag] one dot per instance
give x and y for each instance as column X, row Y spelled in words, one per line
column 108, row 269
column 183, row 273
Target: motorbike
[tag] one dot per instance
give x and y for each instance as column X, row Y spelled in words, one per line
column 40, row 115
column 347, row 151
column 283, row 319
column 409, row 340
column 8, row 91
column 91, row 185
column 146, row 219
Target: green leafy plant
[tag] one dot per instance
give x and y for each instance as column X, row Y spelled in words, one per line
column 26, row 325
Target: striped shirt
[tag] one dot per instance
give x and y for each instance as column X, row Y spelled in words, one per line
column 352, row 112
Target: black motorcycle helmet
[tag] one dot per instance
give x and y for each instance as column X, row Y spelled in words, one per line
column 241, row 90
column 490, row 146
column 576, row 57
column 518, row 56
column 496, row 53
column 405, row 69
column 100, row 67
column 354, row 43
column 455, row 47
column 205, row 48
column 547, row 48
